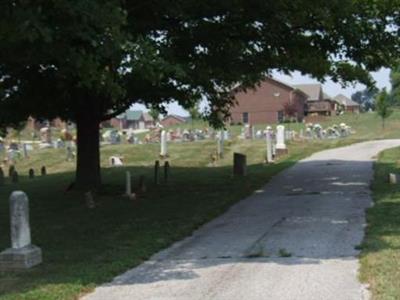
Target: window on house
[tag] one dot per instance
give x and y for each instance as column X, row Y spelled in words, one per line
column 245, row 118
column 280, row 116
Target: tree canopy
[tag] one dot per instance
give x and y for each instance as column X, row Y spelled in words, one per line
column 365, row 98
column 88, row 60
column 383, row 106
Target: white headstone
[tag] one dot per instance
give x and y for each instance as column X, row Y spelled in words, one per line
column 164, row 150
column 22, row 254
column 19, row 220
column 280, row 137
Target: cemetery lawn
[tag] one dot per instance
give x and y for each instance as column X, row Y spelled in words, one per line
column 380, row 255
column 83, row 247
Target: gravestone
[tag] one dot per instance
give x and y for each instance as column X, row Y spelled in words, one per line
column 15, row 177
column 31, row 173
column 22, row 254
column 220, row 144
column 25, row 150
column 1, row 177
column 239, row 164
column 157, row 172
column 163, row 142
column 166, row 171
column 128, row 190
column 115, row 161
column 280, row 140
column 392, row 178
column 269, row 146
column 43, row 171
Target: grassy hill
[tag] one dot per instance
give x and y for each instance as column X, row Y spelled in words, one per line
column 84, row 247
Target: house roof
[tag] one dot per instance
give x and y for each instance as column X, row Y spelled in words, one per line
column 313, row 90
column 147, row 117
column 131, row 115
column 342, row 99
column 179, row 118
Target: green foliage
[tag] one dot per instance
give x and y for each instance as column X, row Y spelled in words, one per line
column 194, row 111
column 365, row 98
column 383, row 106
column 154, row 113
column 395, row 81
column 58, row 58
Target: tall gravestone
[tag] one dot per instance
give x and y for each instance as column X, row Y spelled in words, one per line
column 280, row 140
column 164, row 147
column 269, row 146
column 22, row 254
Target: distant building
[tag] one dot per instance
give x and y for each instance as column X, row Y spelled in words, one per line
column 135, row 119
column 318, row 103
column 266, row 103
column 347, row 104
column 171, row 120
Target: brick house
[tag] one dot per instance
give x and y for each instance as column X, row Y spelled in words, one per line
column 347, row 104
column 318, row 103
column 172, row 120
column 265, row 103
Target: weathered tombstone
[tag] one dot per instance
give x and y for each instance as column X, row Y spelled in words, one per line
column 166, row 171
column 163, row 142
column 392, row 178
column 128, row 190
column 239, row 164
column 269, row 146
column 280, row 140
column 25, row 150
column 15, row 177
column 31, row 173
column 115, row 161
column 1, row 177
column 43, row 171
column 11, row 170
column 157, row 172
column 253, row 132
column 22, row 254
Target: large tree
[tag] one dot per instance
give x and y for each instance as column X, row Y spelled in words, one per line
column 395, row 81
column 88, row 60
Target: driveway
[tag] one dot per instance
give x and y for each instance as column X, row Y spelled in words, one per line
column 293, row 239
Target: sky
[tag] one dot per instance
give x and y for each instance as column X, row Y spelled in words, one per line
column 331, row 88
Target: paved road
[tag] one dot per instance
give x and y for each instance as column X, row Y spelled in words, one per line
column 292, row 239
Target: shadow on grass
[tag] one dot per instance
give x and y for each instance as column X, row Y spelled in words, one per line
column 83, row 248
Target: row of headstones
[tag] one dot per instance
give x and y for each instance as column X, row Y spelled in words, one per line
column 22, row 254
column 13, row 174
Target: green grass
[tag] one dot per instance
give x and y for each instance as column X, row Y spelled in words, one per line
column 83, row 248
column 380, row 256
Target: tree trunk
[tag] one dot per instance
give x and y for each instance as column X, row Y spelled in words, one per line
column 88, row 175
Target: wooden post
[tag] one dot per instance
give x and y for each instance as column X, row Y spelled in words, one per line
column 239, row 164
column 157, row 172
column 14, row 177
column 31, row 173
column 166, row 171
